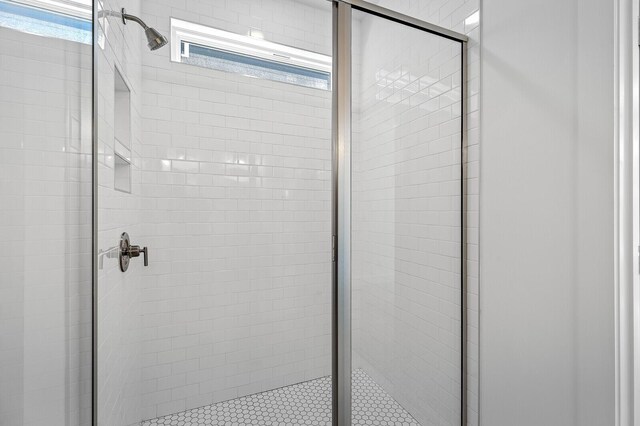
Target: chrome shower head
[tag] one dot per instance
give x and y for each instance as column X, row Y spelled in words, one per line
column 155, row 40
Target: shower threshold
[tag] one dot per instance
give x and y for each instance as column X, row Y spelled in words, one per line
column 306, row 403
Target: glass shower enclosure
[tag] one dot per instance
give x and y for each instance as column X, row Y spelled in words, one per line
column 405, row 229
column 258, row 222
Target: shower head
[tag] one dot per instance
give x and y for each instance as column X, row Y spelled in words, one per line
column 155, row 40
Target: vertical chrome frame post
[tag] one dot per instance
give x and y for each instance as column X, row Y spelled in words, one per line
column 341, row 223
column 463, row 233
column 94, row 215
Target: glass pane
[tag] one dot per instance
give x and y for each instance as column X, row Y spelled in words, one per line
column 406, row 225
column 45, row 222
column 227, row 180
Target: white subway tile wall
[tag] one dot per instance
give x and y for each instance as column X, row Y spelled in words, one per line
column 45, row 222
column 236, row 194
column 462, row 16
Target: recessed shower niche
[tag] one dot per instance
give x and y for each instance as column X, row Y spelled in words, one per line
column 122, row 133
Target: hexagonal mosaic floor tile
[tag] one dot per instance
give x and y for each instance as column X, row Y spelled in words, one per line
column 307, row 403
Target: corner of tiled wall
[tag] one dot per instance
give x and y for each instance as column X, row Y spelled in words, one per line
column 119, row 316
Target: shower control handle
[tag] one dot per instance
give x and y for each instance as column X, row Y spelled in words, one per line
column 134, row 251
column 127, row 251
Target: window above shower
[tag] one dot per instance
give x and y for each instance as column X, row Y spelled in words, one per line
column 63, row 19
column 248, row 55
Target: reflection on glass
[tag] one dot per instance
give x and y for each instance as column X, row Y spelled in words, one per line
column 406, row 225
column 45, row 205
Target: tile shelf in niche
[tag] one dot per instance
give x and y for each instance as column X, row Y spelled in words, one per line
column 121, row 173
column 122, row 151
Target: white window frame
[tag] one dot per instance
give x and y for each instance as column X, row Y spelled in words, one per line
column 188, row 32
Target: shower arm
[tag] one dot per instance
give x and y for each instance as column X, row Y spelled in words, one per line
column 126, row 17
column 155, row 39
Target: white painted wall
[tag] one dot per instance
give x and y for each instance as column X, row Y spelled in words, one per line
column 547, row 289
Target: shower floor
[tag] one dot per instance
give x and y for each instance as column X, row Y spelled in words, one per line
column 306, row 403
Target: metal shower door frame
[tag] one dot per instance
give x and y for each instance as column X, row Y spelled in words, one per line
column 341, row 196
column 94, row 210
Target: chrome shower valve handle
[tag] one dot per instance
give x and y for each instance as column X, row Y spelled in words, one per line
column 127, row 251
column 134, row 251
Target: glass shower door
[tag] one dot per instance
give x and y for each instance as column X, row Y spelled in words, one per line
column 45, row 213
column 406, row 224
